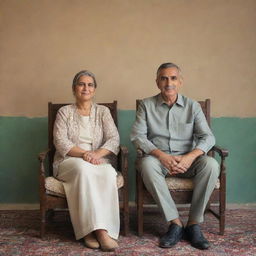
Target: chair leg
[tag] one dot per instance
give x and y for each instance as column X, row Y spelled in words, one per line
column 222, row 224
column 140, row 220
column 43, row 222
column 126, row 224
column 222, row 198
column 50, row 215
column 139, row 201
column 222, row 211
column 126, row 211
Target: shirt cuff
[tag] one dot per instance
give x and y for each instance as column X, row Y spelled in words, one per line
column 111, row 148
column 147, row 147
column 203, row 147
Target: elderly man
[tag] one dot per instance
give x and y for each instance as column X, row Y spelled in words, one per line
column 172, row 131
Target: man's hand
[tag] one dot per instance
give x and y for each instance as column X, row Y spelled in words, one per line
column 176, row 164
column 185, row 161
column 170, row 162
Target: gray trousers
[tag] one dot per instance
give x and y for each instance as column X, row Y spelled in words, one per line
column 204, row 171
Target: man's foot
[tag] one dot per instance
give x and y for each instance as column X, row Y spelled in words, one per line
column 172, row 237
column 91, row 242
column 194, row 234
column 107, row 244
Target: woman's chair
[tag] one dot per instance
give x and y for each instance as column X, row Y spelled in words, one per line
column 182, row 189
column 52, row 194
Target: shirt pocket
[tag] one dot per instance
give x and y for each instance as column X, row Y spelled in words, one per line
column 184, row 131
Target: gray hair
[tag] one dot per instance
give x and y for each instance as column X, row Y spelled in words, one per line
column 83, row 73
column 167, row 65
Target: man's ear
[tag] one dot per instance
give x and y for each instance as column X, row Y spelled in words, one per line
column 157, row 82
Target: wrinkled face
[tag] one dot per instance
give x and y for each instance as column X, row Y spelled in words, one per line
column 84, row 89
column 169, row 81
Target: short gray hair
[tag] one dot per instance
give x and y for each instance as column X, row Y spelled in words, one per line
column 167, row 65
column 83, row 73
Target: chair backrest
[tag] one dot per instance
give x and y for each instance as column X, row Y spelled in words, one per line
column 52, row 112
column 205, row 105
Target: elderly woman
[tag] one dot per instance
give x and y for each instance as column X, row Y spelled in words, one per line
column 86, row 138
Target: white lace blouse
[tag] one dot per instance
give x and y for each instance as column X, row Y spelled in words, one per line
column 67, row 130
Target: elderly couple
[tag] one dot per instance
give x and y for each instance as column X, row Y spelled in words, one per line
column 172, row 131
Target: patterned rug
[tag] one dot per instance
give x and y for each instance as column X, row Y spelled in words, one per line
column 19, row 235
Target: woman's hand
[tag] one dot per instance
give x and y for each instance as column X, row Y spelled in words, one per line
column 93, row 157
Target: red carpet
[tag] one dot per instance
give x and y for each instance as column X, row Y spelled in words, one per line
column 19, row 235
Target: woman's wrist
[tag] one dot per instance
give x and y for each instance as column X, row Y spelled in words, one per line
column 102, row 152
column 84, row 153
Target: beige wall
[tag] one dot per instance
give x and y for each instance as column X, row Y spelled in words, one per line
column 44, row 43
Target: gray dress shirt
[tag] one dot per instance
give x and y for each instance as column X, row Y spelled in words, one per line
column 176, row 130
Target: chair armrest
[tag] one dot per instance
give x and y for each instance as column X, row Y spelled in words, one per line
column 123, row 161
column 42, row 190
column 140, row 153
column 41, row 157
column 124, row 150
column 221, row 151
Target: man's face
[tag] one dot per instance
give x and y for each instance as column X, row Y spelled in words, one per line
column 169, row 82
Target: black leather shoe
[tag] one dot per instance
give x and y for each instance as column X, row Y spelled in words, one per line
column 172, row 237
column 194, row 234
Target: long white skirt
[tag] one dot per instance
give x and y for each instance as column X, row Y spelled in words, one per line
column 92, row 196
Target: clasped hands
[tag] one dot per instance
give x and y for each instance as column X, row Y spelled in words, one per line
column 92, row 157
column 176, row 164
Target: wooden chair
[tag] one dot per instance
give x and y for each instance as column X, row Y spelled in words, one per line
column 182, row 189
column 52, row 194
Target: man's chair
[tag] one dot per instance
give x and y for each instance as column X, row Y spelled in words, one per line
column 52, row 194
column 181, row 189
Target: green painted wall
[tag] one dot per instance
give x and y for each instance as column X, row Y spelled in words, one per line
column 21, row 139
column 239, row 137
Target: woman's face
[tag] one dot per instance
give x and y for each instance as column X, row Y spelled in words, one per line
column 84, row 89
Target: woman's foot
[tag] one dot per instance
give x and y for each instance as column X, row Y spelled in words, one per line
column 106, row 242
column 91, row 241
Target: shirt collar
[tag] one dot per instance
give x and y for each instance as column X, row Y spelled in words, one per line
column 160, row 100
column 180, row 100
